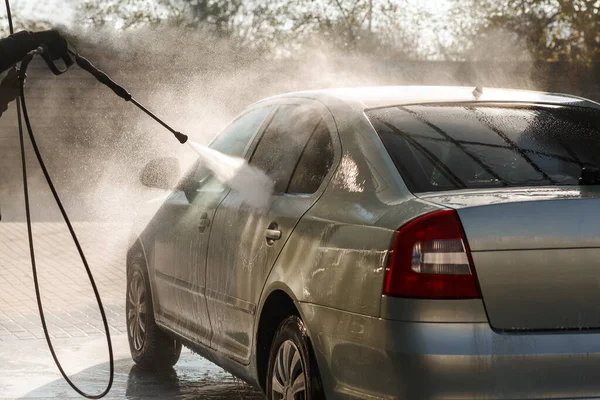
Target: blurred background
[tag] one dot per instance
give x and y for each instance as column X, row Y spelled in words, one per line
column 198, row 63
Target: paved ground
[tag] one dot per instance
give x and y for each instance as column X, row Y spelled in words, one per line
column 68, row 299
column 26, row 367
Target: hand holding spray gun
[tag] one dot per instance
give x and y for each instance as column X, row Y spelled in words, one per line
column 14, row 48
column 9, row 89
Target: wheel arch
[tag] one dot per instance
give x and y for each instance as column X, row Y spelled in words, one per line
column 136, row 248
column 278, row 303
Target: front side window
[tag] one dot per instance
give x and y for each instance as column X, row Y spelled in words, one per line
column 446, row 147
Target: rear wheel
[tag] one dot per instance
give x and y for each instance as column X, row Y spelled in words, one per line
column 150, row 347
column 293, row 373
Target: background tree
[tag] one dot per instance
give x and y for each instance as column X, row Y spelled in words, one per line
column 550, row 30
column 281, row 25
column 20, row 21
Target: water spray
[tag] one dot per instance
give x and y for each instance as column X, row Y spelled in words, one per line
column 253, row 185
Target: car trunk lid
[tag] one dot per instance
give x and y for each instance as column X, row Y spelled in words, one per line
column 536, row 254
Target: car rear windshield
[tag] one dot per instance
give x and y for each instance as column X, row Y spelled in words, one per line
column 447, row 147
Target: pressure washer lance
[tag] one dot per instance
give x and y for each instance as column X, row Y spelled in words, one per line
column 102, row 77
column 121, row 92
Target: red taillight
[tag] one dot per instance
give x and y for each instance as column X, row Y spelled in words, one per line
column 430, row 259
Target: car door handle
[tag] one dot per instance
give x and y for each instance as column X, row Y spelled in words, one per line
column 203, row 223
column 273, row 234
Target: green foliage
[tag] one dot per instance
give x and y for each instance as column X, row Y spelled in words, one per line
column 363, row 25
column 124, row 14
column 21, row 23
column 283, row 26
column 543, row 30
column 549, row 29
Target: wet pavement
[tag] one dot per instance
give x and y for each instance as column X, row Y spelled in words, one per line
column 27, row 370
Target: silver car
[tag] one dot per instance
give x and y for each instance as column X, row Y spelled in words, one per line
column 421, row 243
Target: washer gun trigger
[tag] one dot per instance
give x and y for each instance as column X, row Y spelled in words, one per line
column 52, row 65
column 42, row 50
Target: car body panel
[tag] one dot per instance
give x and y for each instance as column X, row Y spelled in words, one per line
column 550, row 289
column 529, row 221
column 425, row 310
column 536, row 255
column 386, row 96
column 239, row 263
column 458, row 199
column 363, row 357
column 327, row 279
column 179, row 261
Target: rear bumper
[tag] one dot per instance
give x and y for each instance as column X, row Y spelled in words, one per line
column 365, row 357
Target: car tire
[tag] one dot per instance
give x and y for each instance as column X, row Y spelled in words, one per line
column 150, row 347
column 291, row 361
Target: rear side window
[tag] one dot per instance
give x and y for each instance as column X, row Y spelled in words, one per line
column 283, row 143
column 438, row 148
column 315, row 162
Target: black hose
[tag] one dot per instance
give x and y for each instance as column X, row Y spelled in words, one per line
column 24, row 66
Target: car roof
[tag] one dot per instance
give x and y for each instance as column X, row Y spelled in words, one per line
column 385, row 96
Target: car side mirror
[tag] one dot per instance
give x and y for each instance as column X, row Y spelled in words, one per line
column 161, row 173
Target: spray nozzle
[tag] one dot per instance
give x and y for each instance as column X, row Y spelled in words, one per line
column 181, row 137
